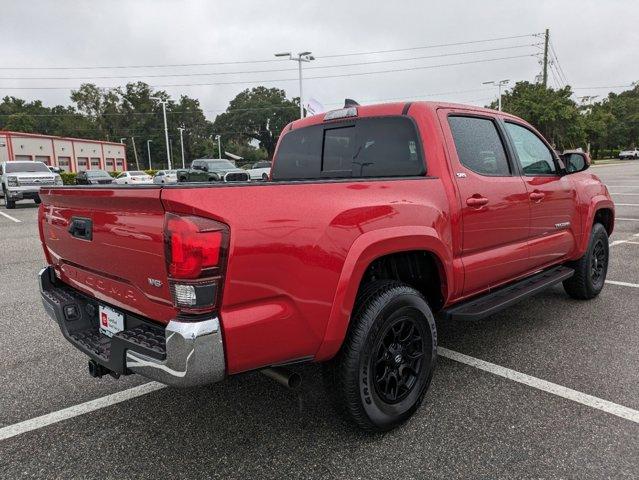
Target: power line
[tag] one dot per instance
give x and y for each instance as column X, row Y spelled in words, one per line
column 275, row 80
column 601, row 87
column 199, row 74
column 237, row 62
column 561, row 70
column 80, row 115
column 428, row 46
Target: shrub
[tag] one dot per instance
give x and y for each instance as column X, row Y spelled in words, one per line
column 68, row 178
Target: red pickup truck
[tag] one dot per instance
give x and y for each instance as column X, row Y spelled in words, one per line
column 376, row 218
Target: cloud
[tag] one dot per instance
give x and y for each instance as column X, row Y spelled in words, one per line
column 596, row 44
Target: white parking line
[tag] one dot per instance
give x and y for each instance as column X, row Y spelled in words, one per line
column 623, row 284
column 10, row 217
column 538, row 383
column 622, row 186
column 627, row 219
column 627, row 204
column 76, row 410
column 623, row 194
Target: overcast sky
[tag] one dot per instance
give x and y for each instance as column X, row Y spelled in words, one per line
column 596, row 42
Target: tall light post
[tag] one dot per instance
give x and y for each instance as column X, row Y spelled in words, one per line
column 148, row 150
column 135, row 153
column 219, row 146
column 181, row 129
column 122, row 139
column 301, row 57
column 166, row 130
column 499, row 84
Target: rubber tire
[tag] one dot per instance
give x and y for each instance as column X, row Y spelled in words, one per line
column 9, row 204
column 344, row 376
column 264, row 177
column 37, row 201
column 580, row 285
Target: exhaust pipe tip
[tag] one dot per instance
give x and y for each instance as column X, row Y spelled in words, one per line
column 283, row 376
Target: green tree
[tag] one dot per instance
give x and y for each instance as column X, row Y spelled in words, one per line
column 552, row 112
column 21, row 122
column 258, row 114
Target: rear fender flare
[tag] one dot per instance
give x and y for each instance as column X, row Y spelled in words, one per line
column 367, row 248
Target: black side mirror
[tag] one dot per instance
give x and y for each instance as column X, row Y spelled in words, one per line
column 576, row 162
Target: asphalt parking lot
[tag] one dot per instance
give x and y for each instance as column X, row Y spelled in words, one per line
column 475, row 423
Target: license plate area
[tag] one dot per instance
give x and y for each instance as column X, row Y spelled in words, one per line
column 111, row 321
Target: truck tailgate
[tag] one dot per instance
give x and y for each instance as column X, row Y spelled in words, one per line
column 108, row 243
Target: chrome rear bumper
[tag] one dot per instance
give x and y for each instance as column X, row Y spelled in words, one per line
column 194, row 355
column 184, row 354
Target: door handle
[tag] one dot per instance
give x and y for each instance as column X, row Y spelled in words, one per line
column 537, row 196
column 476, row 201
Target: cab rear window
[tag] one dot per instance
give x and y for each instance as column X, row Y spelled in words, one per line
column 367, row 147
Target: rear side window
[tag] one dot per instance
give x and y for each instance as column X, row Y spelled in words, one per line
column 368, row 147
column 479, row 146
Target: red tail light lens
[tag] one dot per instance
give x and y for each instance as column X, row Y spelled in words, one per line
column 195, row 246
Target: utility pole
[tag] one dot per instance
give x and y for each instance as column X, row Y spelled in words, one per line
column 166, row 130
column 135, row 154
column 181, row 129
column 301, row 57
column 148, row 150
column 499, row 84
column 545, row 74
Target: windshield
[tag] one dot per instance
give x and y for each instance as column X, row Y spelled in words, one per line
column 97, row 173
column 219, row 164
column 15, row 167
column 136, row 173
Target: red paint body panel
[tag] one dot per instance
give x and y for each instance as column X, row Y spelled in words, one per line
column 298, row 250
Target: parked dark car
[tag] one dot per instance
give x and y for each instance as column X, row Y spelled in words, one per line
column 212, row 170
column 93, row 177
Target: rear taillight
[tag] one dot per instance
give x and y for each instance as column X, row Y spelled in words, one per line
column 196, row 252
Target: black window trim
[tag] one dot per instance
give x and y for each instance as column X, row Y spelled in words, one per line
column 351, row 122
column 553, row 155
column 512, row 165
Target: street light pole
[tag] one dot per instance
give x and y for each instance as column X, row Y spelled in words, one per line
column 301, row 57
column 135, row 154
column 219, row 146
column 148, row 150
column 181, row 129
column 499, row 84
column 166, row 130
column 122, row 139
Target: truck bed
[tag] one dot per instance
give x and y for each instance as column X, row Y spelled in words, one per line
column 284, row 261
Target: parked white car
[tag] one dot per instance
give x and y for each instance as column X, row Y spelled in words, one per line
column 628, row 154
column 133, row 177
column 260, row 170
column 165, row 176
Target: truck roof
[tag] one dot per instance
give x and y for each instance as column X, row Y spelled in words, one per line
column 394, row 108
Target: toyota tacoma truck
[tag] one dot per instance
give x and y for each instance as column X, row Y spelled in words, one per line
column 376, row 219
column 21, row 180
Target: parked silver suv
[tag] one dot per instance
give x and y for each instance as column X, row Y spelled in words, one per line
column 21, row 180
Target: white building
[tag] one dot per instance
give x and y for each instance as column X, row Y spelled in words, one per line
column 70, row 154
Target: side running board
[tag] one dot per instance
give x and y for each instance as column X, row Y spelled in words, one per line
column 490, row 303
